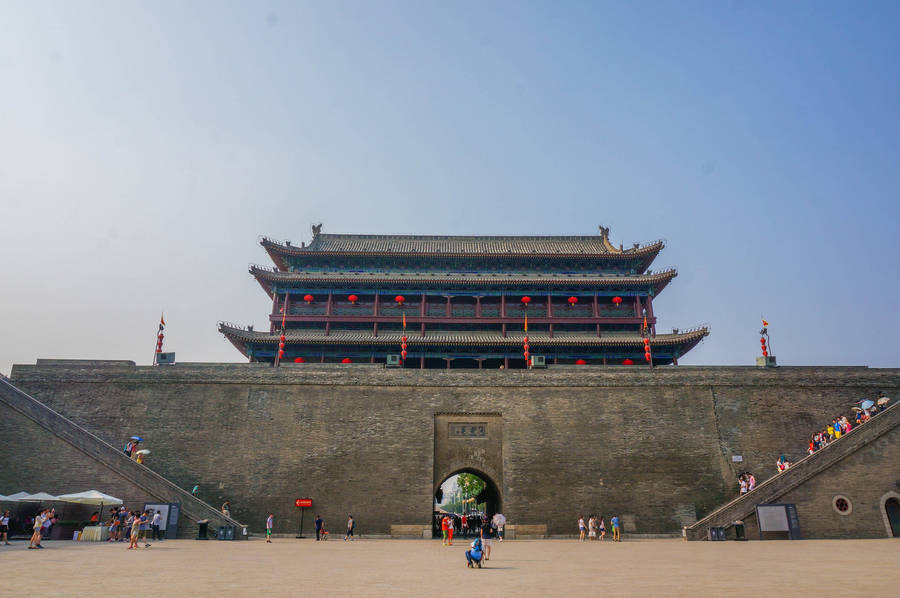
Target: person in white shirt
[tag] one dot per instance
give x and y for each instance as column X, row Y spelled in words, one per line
column 157, row 519
column 39, row 520
column 4, row 527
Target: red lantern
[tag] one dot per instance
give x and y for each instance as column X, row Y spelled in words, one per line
column 647, row 356
column 403, row 338
column 353, row 299
column 580, row 362
column 762, row 340
column 280, row 353
column 526, row 354
column 281, row 338
column 281, row 345
column 525, row 339
column 299, row 360
column 403, row 355
column 617, row 301
column 627, row 362
column 573, row 300
column 400, row 299
column 308, row 298
column 526, row 300
column 765, row 353
column 346, row 360
column 160, row 336
column 526, row 346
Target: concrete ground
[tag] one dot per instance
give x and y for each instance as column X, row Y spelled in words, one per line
column 519, row 568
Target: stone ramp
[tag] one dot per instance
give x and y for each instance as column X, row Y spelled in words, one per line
column 108, row 456
column 810, row 466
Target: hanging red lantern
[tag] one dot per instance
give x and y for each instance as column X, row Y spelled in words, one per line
column 346, row 360
column 353, row 299
column 573, row 300
column 525, row 339
column 762, row 340
column 617, row 301
column 280, row 354
column 526, row 354
column 580, row 362
column 281, row 345
column 526, row 300
column 281, row 338
column 299, row 360
column 400, row 299
column 526, row 346
column 403, row 338
column 628, row 362
column 647, row 356
column 308, row 298
column 765, row 353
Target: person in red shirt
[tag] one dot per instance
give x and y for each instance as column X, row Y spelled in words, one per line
column 450, row 524
column 445, row 523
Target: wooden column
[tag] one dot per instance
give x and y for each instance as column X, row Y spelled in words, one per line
column 506, row 363
column 596, row 307
column 503, row 307
column 637, row 306
column 422, row 362
column 327, row 328
column 480, row 362
column 551, row 330
column 449, row 308
column 449, row 359
column 478, row 314
column 423, row 330
column 329, row 308
column 504, row 330
column 604, row 361
column 549, row 306
column 422, row 307
column 674, row 361
column 372, row 359
column 375, row 305
column 375, row 328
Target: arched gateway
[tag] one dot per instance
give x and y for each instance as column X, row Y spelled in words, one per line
column 470, row 443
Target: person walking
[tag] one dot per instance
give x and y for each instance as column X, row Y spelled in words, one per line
column 445, row 523
column 36, row 529
column 614, row 522
column 135, row 531
column 157, row 519
column 592, row 528
column 195, row 490
column 4, row 528
column 581, row 528
column 351, row 525
column 270, row 522
column 602, row 529
column 226, row 508
column 319, row 523
column 450, row 530
column 144, row 519
column 487, row 535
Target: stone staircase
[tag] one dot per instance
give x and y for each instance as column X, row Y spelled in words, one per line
column 156, row 486
column 777, row 486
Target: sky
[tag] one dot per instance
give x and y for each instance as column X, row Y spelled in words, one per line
column 145, row 147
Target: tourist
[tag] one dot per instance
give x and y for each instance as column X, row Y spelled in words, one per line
column 36, row 528
column 445, row 524
column 135, row 526
column 226, row 508
column 499, row 521
column 95, row 517
column 614, row 522
column 487, row 533
column 129, row 447
column 581, row 528
column 154, row 525
column 592, row 528
column 452, row 522
column 351, row 525
column 48, row 521
column 123, row 528
column 464, row 526
column 474, row 554
column 743, row 483
column 195, row 490
column 269, row 523
column 4, row 528
column 602, row 528
column 144, row 527
column 319, row 525
column 751, row 482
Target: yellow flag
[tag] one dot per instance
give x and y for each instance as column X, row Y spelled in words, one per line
column 404, row 321
column 526, row 322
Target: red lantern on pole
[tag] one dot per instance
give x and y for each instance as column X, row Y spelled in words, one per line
column 280, row 353
column 617, row 301
column 403, row 355
column 628, row 362
column 572, row 300
column 400, row 299
column 647, row 356
column 308, row 298
column 299, row 360
column 580, row 362
column 526, row 301
column 526, row 354
column 353, row 299
column 525, row 339
column 346, row 360
column 281, row 345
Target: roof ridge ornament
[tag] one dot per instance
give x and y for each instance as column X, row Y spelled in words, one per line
column 316, row 229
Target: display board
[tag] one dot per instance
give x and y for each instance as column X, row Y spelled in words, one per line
column 778, row 518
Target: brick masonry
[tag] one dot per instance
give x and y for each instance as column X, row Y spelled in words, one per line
column 652, row 446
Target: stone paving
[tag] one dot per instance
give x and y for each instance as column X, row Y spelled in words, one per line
column 289, row 567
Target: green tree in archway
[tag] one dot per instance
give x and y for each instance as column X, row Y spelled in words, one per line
column 469, row 484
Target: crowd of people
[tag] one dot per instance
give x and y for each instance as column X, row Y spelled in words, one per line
column 747, row 482
column 841, row 424
column 133, row 526
column 133, row 450
column 466, row 525
column 595, row 528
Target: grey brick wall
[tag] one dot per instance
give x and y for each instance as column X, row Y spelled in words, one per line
column 652, row 446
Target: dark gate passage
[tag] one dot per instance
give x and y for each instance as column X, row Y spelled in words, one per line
column 485, row 504
column 892, row 508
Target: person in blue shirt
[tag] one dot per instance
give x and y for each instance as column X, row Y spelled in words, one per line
column 474, row 554
column 614, row 522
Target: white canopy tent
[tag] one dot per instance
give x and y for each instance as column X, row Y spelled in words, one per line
column 17, row 496
column 37, row 497
column 90, row 497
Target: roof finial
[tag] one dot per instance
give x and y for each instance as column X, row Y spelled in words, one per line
column 604, row 231
column 316, row 229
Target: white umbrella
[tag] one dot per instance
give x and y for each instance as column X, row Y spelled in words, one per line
column 499, row 520
column 867, row 404
column 883, row 401
column 37, row 497
column 17, row 496
column 90, row 497
column 143, row 452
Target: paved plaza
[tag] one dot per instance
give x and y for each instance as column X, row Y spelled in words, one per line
column 290, row 567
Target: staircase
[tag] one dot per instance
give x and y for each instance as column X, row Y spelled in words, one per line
column 777, row 486
column 109, row 456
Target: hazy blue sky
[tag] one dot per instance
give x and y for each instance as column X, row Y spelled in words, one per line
column 144, row 146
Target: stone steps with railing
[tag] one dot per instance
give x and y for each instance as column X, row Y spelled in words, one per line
column 778, row 485
column 115, row 459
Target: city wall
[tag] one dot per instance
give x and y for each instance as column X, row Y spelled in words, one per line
column 655, row 447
